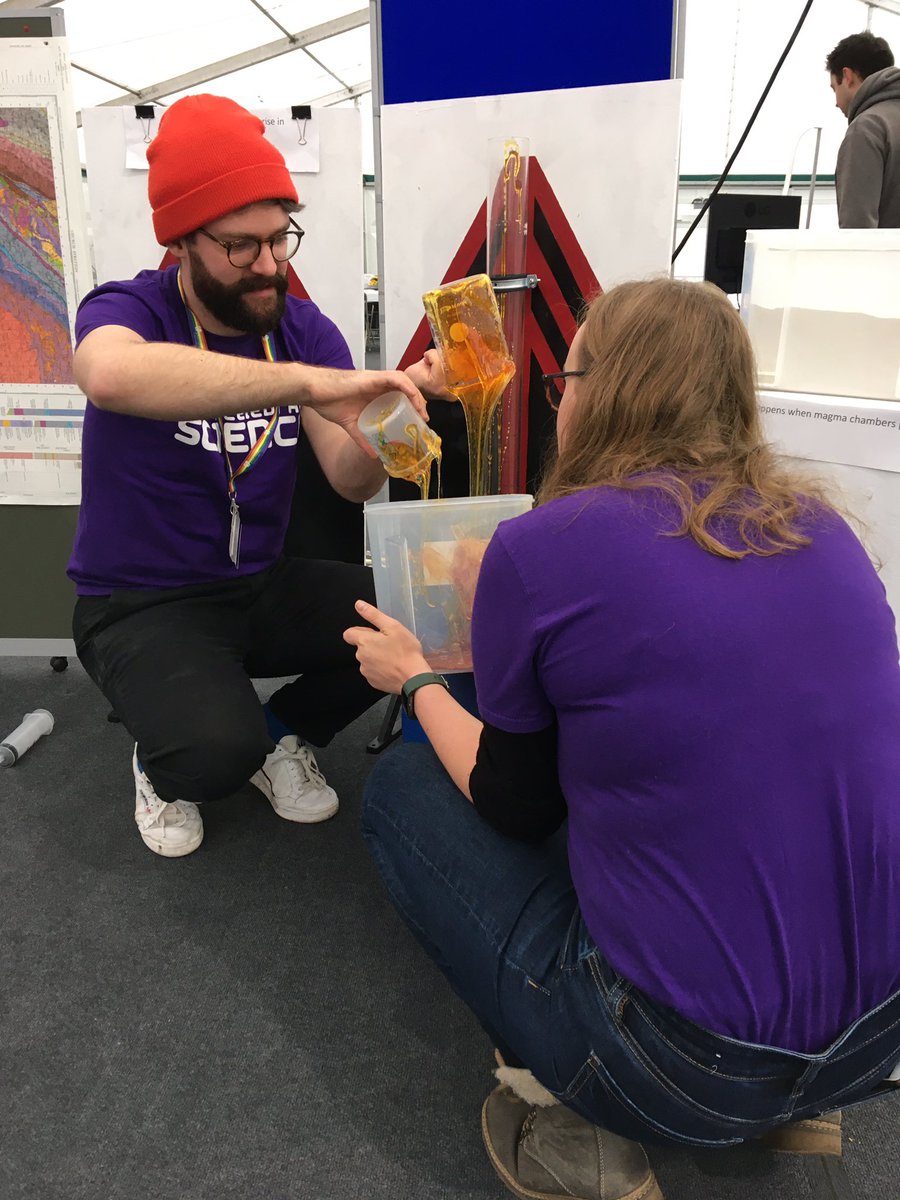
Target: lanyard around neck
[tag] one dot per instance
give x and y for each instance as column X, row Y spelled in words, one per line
column 198, row 336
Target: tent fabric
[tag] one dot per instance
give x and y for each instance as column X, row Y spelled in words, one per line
column 132, row 48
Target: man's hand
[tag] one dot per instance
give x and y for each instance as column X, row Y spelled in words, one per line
column 340, row 396
column 428, row 376
column 389, row 654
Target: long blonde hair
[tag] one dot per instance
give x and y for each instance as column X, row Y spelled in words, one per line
column 668, row 400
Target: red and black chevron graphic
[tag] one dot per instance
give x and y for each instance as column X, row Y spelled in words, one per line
column 566, row 282
column 295, row 286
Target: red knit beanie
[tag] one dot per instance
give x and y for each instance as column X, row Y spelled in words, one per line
column 209, row 158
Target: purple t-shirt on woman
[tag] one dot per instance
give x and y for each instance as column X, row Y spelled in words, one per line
column 154, row 502
column 729, row 750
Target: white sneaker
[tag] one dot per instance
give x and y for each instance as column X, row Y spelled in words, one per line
column 295, row 786
column 171, row 830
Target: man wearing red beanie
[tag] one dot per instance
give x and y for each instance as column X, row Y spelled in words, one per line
column 202, row 381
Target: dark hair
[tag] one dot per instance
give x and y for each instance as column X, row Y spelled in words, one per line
column 863, row 53
column 668, row 400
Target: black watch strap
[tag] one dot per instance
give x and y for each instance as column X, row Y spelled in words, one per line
column 412, row 685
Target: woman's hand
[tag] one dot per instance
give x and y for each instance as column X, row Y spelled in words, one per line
column 389, row 654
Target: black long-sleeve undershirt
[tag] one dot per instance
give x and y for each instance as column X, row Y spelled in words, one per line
column 515, row 783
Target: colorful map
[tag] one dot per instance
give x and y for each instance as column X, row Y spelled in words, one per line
column 35, row 345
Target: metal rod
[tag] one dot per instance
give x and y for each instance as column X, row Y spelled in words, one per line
column 788, row 179
column 812, row 178
column 679, row 13
column 105, row 79
column 350, row 93
column 377, row 104
column 327, row 70
column 265, row 12
column 249, row 58
column 514, row 283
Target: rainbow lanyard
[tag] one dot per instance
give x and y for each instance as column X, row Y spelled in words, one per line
column 256, row 451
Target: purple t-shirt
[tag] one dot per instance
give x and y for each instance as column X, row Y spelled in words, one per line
column 729, row 750
column 154, row 500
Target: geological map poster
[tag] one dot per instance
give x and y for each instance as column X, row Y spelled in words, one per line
column 43, row 273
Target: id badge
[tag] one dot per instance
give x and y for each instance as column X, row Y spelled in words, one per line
column 234, row 537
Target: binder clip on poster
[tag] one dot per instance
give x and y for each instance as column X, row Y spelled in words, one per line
column 295, row 131
column 140, row 129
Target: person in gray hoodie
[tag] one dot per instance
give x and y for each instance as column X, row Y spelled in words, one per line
column 866, row 87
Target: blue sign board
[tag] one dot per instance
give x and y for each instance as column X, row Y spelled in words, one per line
column 455, row 48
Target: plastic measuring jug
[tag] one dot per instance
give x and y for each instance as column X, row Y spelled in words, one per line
column 404, row 442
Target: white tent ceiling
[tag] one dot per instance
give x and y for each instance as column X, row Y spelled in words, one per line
column 272, row 53
column 259, row 52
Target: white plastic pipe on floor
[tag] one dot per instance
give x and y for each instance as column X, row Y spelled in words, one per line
column 15, row 744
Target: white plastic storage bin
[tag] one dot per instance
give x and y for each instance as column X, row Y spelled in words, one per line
column 823, row 310
column 426, row 555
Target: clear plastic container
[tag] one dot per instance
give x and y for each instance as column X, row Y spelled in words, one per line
column 426, row 555
column 404, row 442
column 823, row 310
column 467, row 328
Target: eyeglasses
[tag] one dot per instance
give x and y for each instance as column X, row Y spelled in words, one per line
column 554, row 386
column 243, row 252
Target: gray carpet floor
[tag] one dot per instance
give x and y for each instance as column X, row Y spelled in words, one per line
column 252, row 1021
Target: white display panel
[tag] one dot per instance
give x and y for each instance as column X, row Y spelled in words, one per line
column 329, row 263
column 609, row 154
column 853, row 445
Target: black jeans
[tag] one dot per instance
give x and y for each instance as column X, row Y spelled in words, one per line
column 176, row 664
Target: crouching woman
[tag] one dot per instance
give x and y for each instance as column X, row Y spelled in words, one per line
column 662, row 868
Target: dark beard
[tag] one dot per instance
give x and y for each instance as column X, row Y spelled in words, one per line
column 226, row 301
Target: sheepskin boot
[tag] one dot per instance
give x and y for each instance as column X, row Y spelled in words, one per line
column 818, row 1135
column 543, row 1151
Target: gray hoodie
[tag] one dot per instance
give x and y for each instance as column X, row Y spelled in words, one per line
column 867, row 175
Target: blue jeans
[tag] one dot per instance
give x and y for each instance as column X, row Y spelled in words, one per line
column 501, row 920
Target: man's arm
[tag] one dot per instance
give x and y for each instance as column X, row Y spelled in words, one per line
column 119, row 371
column 354, row 473
column 859, row 175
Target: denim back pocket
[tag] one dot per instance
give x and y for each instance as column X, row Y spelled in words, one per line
column 673, row 1095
